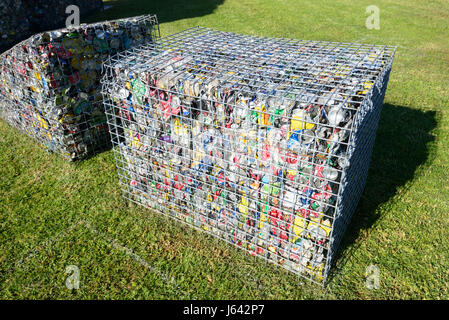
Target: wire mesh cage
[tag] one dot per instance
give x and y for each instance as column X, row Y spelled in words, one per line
column 262, row 142
column 20, row 19
column 50, row 83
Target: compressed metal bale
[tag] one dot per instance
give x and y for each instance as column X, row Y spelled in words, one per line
column 20, row 19
column 262, row 142
column 50, row 83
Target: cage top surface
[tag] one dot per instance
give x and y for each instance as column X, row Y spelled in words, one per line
column 118, row 22
column 302, row 70
column 49, row 36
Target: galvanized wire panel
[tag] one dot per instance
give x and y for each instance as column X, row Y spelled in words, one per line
column 253, row 140
column 50, row 83
column 21, row 19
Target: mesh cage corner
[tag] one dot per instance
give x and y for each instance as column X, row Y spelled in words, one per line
column 21, row 19
column 50, row 83
column 263, row 143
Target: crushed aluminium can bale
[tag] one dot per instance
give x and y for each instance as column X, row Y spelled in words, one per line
column 20, row 19
column 50, row 83
column 262, row 142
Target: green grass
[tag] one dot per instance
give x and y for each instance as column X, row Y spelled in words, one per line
column 54, row 214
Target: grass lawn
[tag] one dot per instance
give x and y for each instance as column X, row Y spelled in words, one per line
column 54, row 214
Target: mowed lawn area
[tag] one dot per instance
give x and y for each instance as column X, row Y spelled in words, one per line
column 54, row 214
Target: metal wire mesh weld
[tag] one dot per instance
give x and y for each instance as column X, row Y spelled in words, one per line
column 262, row 142
column 50, row 83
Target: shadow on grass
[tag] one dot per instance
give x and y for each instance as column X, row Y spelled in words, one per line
column 166, row 10
column 401, row 146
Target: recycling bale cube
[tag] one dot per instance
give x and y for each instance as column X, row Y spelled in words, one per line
column 20, row 19
column 264, row 143
column 50, row 83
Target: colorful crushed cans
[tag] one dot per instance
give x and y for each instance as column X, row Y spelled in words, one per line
column 50, row 83
column 261, row 142
column 20, row 19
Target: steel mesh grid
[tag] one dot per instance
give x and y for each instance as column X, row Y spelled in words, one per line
column 50, row 83
column 21, row 19
column 247, row 138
